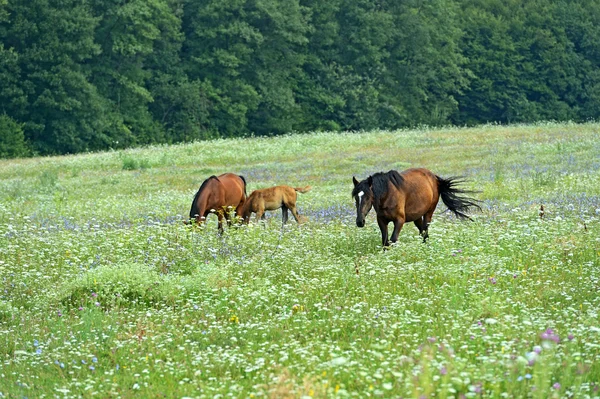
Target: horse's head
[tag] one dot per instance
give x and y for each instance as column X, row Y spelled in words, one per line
column 363, row 195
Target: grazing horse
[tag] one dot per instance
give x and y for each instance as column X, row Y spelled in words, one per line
column 270, row 199
column 410, row 196
column 216, row 194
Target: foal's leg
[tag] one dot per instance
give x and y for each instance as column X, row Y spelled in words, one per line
column 383, row 226
column 260, row 214
column 292, row 208
column 284, row 214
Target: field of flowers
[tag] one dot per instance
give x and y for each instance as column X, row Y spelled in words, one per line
column 105, row 293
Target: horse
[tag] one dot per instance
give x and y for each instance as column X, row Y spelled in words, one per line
column 270, row 199
column 409, row 196
column 216, row 194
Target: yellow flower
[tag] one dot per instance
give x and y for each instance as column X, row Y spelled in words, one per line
column 234, row 319
column 337, row 388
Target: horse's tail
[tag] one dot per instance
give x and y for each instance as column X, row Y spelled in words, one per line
column 195, row 209
column 244, row 180
column 302, row 190
column 455, row 198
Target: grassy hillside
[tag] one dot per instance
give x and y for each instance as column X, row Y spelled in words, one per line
column 105, row 293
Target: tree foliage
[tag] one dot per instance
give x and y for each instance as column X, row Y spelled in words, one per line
column 91, row 75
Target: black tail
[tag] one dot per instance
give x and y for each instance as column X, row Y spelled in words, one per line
column 244, row 180
column 454, row 198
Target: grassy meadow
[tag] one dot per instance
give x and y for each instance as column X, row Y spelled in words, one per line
column 105, row 293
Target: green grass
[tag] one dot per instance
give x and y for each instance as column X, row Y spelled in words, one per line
column 105, row 293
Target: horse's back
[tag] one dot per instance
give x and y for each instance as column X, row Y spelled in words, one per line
column 420, row 192
column 232, row 190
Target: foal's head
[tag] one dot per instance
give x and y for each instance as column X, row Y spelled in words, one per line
column 363, row 195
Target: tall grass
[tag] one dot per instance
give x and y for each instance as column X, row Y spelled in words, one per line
column 105, row 293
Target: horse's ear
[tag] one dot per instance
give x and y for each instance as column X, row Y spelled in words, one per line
column 370, row 181
column 354, row 181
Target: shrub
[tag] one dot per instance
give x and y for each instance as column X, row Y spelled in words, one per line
column 12, row 139
column 119, row 285
column 130, row 163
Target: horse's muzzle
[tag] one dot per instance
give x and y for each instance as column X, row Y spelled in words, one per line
column 360, row 223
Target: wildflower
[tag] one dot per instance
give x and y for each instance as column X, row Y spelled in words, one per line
column 432, row 339
column 443, row 370
column 570, row 337
column 528, row 376
column 95, row 359
column 80, row 308
column 35, row 342
column 59, row 313
column 537, row 349
column 92, row 368
column 94, row 295
column 556, row 385
column 549, row 335
column 97, row 303
column 234, row 319
column 297, row 308
column 38, row 351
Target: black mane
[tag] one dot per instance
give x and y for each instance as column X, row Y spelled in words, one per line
column 194, row 209
column 380, row 182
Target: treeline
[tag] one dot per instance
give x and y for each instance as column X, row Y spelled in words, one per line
column 79, row 75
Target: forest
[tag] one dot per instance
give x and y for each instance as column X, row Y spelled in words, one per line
column 91, row 75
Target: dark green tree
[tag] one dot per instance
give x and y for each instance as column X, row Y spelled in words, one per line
column 12, row 139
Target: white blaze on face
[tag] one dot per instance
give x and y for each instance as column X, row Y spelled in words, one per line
column 360, row 195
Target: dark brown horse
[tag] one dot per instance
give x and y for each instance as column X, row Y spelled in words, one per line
column 216, row 194
column 270, row 199
column 410, row 196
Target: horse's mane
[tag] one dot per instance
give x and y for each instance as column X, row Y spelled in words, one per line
column 194, row 209
column 381, row 179
column 380, row 183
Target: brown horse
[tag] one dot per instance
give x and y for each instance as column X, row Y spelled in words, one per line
column 270, row 199
column 216, row 194
column 410, row 196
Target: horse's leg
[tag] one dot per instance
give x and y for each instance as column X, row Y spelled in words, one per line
column 397, row 227
column 426, row 221
column 220, row 222
column 284, row 214
column 383, row 226
column 421, row 225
